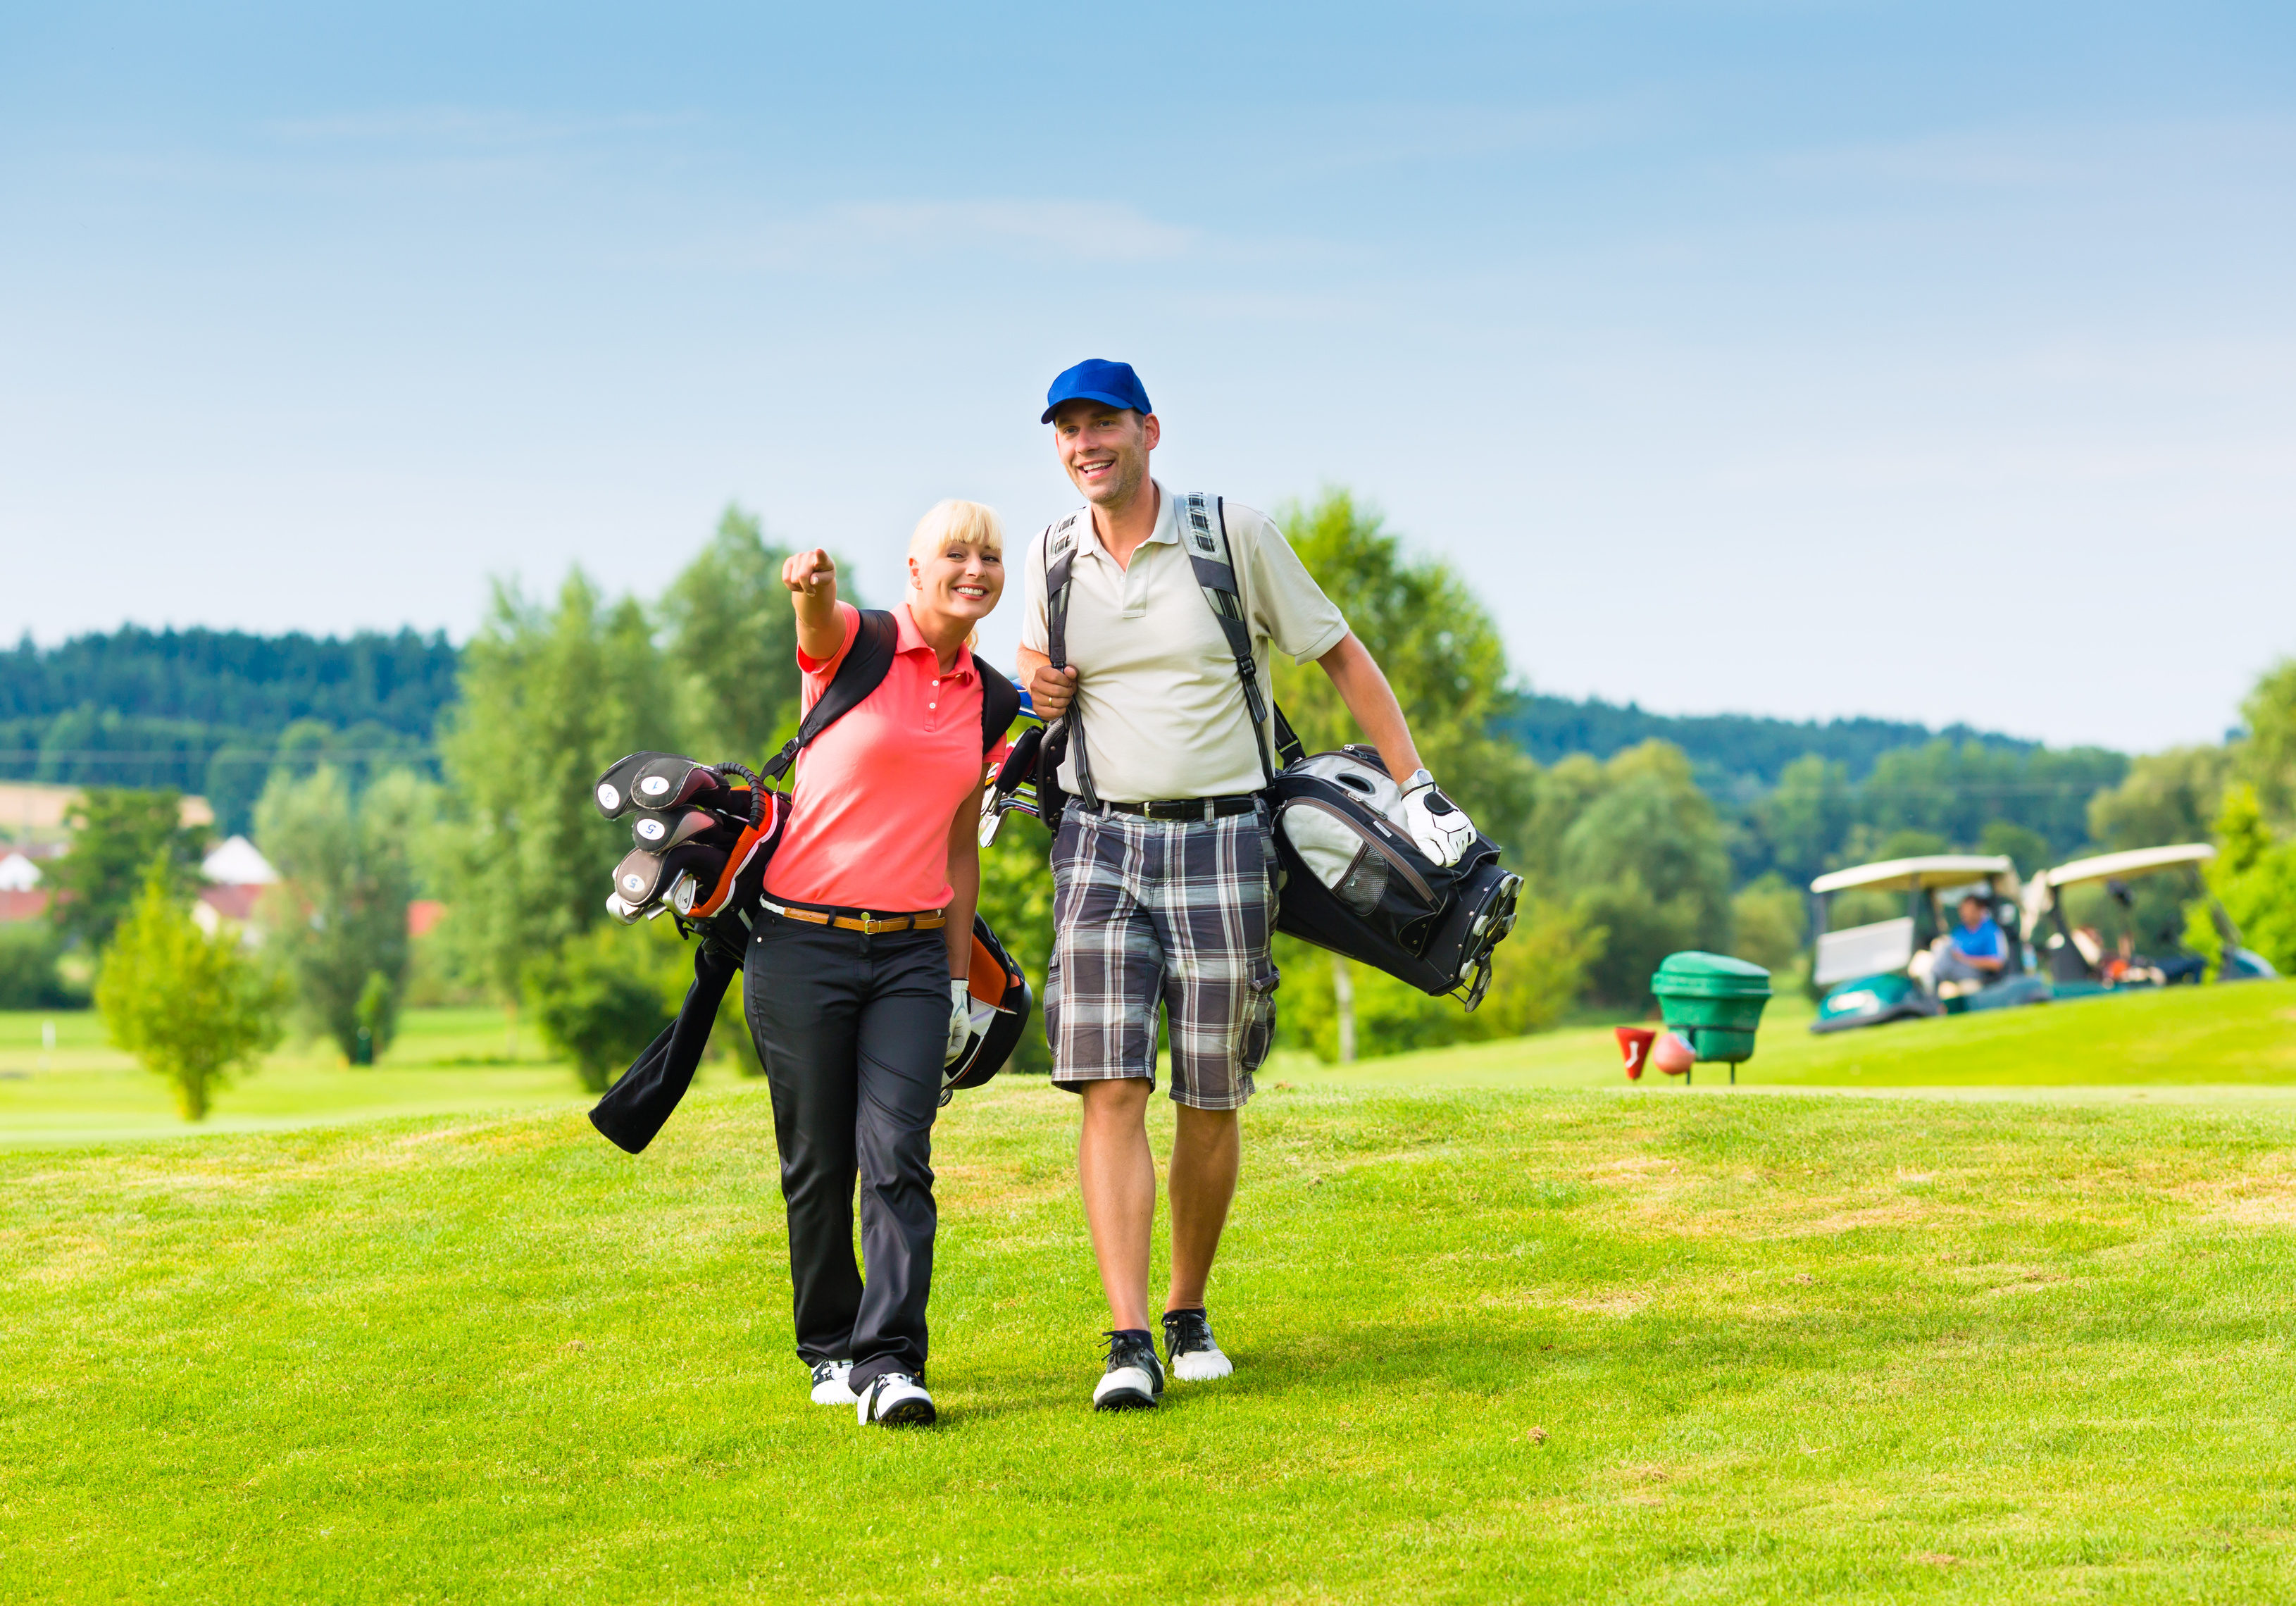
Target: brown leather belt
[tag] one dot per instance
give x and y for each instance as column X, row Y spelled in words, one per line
column 861, row 919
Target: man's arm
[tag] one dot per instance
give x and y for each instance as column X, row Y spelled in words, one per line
column 1363, row 687
column 1050, row 690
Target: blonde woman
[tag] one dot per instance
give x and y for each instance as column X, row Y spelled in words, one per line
column 856, row 974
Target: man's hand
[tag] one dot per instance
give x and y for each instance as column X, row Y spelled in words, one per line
column 1440, row 826
column 810, row 573
column 960, row 1019
column 1051, row 690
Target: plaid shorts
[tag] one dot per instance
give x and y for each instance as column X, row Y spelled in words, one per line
column 1176, row 911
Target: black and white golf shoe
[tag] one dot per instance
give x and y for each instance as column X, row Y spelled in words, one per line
column 829, row 1387
column 895, row 1400
column 1196, row 1355
column 1134, row 1378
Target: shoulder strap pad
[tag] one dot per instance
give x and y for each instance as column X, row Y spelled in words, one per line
column 863, row 671
column 1059, row 559
column 1000, row 705
column 1204, row 533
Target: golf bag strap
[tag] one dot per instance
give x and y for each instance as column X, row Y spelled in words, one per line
column 1000, row 705
column 1060, row 565
column 1203, row 529
column 866, row 662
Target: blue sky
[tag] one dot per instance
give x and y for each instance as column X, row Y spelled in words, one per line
column 1933, row 361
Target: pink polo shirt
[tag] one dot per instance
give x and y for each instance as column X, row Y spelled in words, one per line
column 870, row 811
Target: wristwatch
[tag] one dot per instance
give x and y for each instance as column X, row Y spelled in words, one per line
column 1416, row 779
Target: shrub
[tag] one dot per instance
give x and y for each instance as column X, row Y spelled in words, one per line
column 191, row 1007
column 603, row 995
column 28, row 978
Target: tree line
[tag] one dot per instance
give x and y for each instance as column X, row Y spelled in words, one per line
column 1627, row 856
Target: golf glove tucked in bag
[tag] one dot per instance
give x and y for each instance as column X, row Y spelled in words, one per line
column 1396, row 877
column 704, row 835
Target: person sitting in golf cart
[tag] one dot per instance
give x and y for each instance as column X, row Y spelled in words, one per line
column 1976, row 952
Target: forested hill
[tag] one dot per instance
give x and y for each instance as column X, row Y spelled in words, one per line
column 1733, row 753
column 210, row 710
column 230, row 677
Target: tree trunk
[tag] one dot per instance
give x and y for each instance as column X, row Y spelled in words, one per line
column 1343, row 993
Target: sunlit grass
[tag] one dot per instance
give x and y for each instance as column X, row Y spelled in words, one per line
column 1492, row 1345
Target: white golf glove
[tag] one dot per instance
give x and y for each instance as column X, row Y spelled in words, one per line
column 1440, row 826
column 960, row 1018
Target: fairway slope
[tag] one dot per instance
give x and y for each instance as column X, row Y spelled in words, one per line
column 1490, row 1345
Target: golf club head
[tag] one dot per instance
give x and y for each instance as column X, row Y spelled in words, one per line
column 643, row 875
column 658, row 780
column 627, row 913
column 660, row 829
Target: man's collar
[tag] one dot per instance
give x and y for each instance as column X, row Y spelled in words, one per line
column 908, row 638
column 1166, row 533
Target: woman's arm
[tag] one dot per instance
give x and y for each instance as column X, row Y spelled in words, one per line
column 812, row 579
column 964, row 882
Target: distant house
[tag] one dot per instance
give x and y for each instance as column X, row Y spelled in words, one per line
column 237, row 873
column 21, row 897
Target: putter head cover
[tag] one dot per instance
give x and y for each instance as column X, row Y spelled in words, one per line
column 1001, row 1002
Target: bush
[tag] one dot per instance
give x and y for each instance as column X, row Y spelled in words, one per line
column 191, row 1007
column 28, row 978
column 2254, row 878
column 603, row 996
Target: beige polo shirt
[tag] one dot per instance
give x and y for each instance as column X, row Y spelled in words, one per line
column 1161, row 704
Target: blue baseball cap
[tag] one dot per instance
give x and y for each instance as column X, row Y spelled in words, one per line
column 1093, row 380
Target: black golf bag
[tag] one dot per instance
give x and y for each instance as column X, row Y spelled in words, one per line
column 1355, row 882
column 704, row 834
column 1349, row 877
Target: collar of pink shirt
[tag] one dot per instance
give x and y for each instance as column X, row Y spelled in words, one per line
column 908, row 638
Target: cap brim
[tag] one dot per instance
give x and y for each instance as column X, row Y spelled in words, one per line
column 1122, row 403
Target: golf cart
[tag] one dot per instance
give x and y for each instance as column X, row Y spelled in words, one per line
column 2075, row 956
column 1881, row 970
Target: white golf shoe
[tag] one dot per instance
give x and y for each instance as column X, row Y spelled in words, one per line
column 829, row 1387
column 895, row 1400
column 1195, row 1355
column 1134, row 1378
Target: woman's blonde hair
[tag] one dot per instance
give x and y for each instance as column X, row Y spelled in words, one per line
column 973, row 523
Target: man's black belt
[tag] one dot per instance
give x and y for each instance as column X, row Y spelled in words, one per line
column 1188, row 808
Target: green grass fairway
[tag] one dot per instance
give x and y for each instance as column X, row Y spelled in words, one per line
column 2217, row 1041
column 445, row 1061
column 1492, row 1345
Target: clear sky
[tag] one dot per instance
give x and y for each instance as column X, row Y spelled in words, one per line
column 1934, row 360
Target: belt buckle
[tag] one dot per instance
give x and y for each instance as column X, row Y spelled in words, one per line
column 871, row 925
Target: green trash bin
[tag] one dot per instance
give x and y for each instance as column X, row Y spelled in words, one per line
column 1715, row 1001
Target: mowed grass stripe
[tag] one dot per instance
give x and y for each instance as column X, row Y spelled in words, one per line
column 1492, row 1346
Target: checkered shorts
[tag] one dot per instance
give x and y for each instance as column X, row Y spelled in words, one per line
column 1171, row 911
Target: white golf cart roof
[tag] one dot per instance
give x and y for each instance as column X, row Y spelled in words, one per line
column 1908, row 875
column 2140, row 861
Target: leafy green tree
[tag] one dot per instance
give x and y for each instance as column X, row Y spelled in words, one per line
column 115, row 836
column 2167, row 798
column 1647, row 862
column 734, row 643
column 1954, row 789
column 550, row 698
column 1805, row 819
column 1438, row 645
column 2267, row 755
column 338, row 915
column 2254, row 877
column 1768, row 920
column 191, row 1007
column 2024, row 847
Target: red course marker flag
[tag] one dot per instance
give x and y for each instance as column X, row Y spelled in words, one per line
column 1635, row 1047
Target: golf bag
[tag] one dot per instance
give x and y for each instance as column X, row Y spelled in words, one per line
column 1349, row 878
column 704, row 834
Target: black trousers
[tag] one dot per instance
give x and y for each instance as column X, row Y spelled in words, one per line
column 851, row 1029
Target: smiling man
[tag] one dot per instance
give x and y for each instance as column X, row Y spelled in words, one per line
column 1163, row 865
